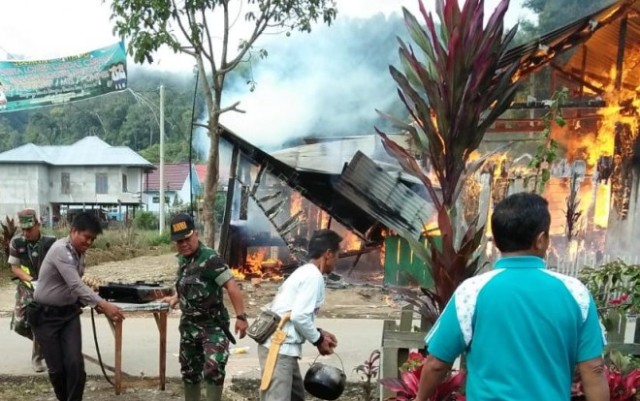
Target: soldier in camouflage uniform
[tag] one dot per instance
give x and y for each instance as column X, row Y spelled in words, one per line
column 204, row 324
column 26, row 253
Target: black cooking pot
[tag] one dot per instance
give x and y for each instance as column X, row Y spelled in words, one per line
column 324, row 381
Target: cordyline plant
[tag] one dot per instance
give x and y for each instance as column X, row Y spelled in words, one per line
column 453, row 89
column 9, row 229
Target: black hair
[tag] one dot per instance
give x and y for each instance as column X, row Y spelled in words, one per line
column 518, row 219
column 322, row 241
column 85, row 221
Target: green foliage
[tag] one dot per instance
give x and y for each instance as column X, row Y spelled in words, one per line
column 146, row 221
column 160, row 239
column 553, row 14
column 615, row 287
column 453, row 90
column 120, row 119
column 147, row 24
column 547, row 151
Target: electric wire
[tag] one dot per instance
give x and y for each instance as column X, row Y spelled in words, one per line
column 95, row 340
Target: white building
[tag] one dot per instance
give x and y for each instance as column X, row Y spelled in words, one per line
column 89, row 173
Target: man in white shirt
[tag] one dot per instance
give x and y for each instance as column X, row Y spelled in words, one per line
column 301, row 294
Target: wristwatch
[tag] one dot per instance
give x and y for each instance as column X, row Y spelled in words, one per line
column 242, row 316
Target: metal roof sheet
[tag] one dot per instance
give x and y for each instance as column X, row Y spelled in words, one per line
column 89, row 151
column 600, row 52
column 544, row 49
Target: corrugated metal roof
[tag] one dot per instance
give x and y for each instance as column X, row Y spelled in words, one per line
column 544, row 49
column 601, row 52
column 330, row 157
column 384, row 196
column 89, row 151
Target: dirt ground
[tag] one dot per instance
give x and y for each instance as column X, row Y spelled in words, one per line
column 38, row 389
column 363, row 298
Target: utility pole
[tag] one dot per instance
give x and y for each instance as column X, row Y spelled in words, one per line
column 161, row 220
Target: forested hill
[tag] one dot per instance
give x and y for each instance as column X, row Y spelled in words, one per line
column 124, row 118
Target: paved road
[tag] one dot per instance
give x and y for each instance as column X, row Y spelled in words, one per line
column 357, row 338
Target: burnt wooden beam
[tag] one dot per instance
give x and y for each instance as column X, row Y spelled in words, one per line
column 583, row 69
column 622, row 41
column 567, row 105
column 580, row 80
column 226, row 221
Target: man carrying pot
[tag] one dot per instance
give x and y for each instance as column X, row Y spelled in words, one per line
column 523, row 328
column 300, row 298
column 26, row 253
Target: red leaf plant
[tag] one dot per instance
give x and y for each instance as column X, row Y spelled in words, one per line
column 406, row 387
column 454, row 88
column 622, row 386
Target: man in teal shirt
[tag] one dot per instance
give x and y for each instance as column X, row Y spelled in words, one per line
column 523, row 328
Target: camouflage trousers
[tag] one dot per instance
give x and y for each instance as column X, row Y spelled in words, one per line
column 24, row 296
column 204, row 351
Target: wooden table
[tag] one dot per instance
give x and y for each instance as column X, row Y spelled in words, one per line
column 159, row 311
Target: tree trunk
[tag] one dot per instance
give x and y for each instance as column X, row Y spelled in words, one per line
column 211, row 184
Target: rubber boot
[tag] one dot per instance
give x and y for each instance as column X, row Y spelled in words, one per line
column 214, row 392
column 37, row 360
column 191, row 392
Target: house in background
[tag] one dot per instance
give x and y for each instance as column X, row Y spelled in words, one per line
column 179, row 178
column 223, row 175
column 89, row 174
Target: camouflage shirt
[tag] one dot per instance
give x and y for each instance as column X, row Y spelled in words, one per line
column 29, row 255
column 201, row 277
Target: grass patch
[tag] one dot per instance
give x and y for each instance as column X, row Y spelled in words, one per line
column 112, row 246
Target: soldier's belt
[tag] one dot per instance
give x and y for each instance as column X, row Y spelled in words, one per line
column 276, row 342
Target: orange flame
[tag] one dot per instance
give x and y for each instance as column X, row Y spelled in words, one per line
column 258, row 265
column 352, row 242
column 296, row 203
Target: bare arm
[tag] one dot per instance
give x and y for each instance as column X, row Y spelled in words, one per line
column 235, row 295
column 433, row 373
column 21, row 274
column 594, row 382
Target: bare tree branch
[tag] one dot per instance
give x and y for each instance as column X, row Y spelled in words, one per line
column 233, row 107
column 185, row 32
column 211, row 58
column 261, row 24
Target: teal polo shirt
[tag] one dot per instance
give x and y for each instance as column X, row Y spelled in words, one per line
column 523, row 328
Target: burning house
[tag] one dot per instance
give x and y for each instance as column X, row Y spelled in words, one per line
column 351, row 185
column 593, row 185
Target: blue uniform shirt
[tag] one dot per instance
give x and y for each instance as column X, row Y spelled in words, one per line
column 523, row 327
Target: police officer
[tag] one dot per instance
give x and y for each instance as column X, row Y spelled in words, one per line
column 55, row 314
column 26, row 253
column 204, row 324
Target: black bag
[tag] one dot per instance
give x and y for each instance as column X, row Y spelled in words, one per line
column 33, row 313
column 263, row 326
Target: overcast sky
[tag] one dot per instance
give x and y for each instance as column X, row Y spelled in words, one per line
column 42, row 29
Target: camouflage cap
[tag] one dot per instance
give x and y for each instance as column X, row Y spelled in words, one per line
column 27, row 218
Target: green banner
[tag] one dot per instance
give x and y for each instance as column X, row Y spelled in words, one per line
column 29, row 84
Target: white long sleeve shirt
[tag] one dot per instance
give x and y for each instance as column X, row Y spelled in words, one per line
column 302, row 294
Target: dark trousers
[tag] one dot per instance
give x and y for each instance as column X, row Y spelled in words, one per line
column 59, row 333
